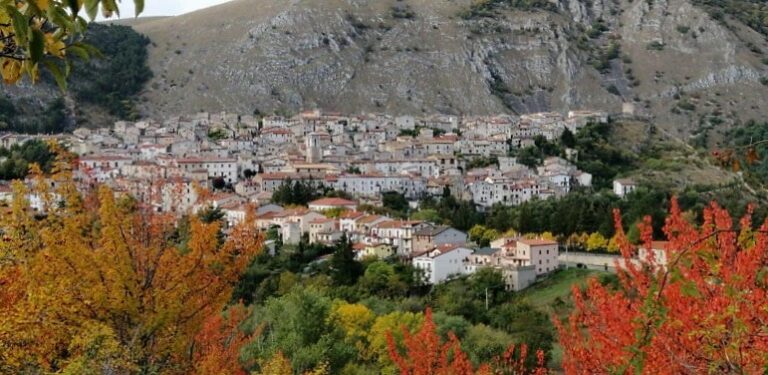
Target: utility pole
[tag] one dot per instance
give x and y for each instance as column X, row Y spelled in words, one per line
column 486, row 298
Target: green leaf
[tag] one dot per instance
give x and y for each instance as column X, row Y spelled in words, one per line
column 20, row 25
column 92, row 8
column 111, row 5
column 139, row 7
column 689, row 289
column 58, row 75
column 79, row 51
column 92, row 51
column 59, row 17
column 36, row 46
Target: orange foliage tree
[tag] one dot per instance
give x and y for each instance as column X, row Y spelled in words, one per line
column 700, row 307
column 426, row 354
column 103, row 268
column 219, row 342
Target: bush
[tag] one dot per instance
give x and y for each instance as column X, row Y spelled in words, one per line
column 655, row 46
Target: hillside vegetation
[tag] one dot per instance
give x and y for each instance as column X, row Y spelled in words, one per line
column 101, row 89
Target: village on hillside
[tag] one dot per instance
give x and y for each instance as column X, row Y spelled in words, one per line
column 242, row 160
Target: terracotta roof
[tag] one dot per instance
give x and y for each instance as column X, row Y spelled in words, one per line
column 352, row 215
column 359, row 246
column 538, row 242
column 332, row 202
column 659, row 245
column 397, row 224
column 370, row 219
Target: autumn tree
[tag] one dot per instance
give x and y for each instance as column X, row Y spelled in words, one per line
column 698, row 306
column 98, row 268
column 426, row 354
column 40, row 33
column 218, row 344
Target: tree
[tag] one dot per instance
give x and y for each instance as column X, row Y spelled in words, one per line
column 596, row 242
column 295, row 193
column 381, row 278
column 299, row 325
column 355, row 320
column 19, row 158
column 390, row 325
column 426, row 354
column 694, row 313
column 37, row 33
column 345, row 270
column 568, row 139
column 429, row 215
column 98, row 266
column 394, row 201
column 219, row 342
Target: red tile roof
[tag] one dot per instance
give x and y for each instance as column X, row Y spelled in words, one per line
column 340, row 202
column 538, row 242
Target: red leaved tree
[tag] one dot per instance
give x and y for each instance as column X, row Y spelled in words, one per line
column 700, row 306
column 218, row 344
column 426, row 354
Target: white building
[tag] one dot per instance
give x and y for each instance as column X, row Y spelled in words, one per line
column 441, row 263
column 224, row 168
column 624, row 186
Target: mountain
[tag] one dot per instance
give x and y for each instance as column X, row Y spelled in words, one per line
column 695, row 66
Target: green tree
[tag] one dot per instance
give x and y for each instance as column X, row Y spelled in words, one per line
column 394, row 201
column 345, row 270
column 295, row 193
column 299, row 325
column 429, row 214
column 568, row 139
column 19, row 157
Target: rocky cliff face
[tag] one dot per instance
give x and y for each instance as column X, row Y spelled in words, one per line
column 668, row 57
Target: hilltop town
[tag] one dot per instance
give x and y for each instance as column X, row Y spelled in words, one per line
column 362, row 156
column 241, row 160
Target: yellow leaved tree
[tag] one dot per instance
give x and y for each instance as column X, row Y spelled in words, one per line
column 96, row 279
column 40, row 33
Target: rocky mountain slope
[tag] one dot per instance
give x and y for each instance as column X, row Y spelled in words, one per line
column 695, row 75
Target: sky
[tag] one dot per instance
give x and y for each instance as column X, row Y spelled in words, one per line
column 166, row 7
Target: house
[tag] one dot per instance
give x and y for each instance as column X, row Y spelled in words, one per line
column 269, row 207
column 224, row 168
column 482, row 257
column 441, row 263
column 516, row 277
column 322, row 230
column 624, row 186
column 431, row 236
column 378, row 250
column 332, row 203
column 657, row 254
column 348, row 220
column 398, row 234
column 541, row 253
column 290, row 232
column 302, row 216
column 104, row 162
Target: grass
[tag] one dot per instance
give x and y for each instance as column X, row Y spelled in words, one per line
column 558, row 286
